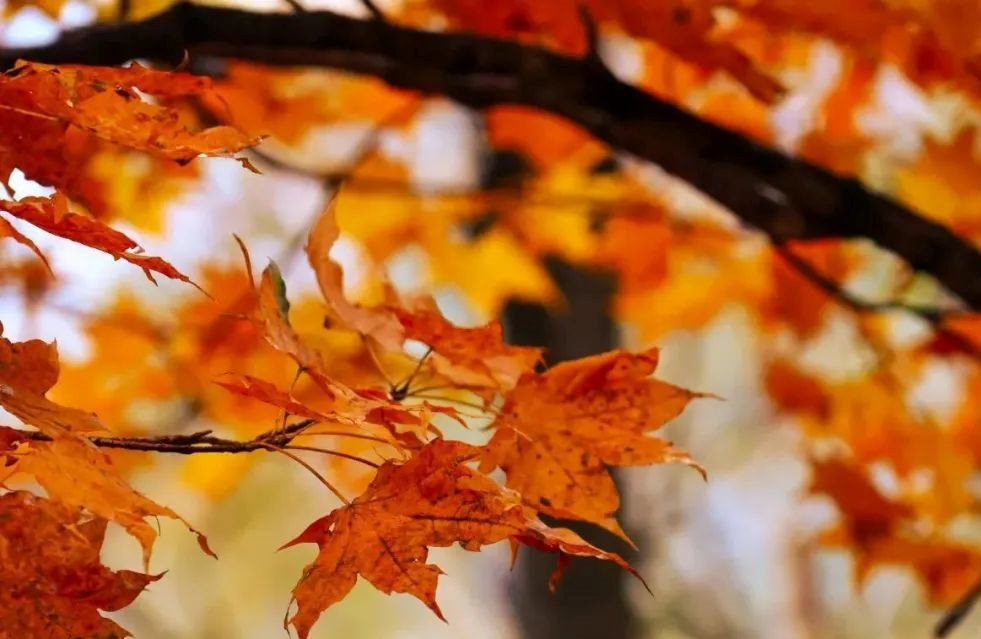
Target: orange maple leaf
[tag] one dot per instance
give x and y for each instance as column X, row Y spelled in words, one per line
column 407, row 423
column 52, row 215
column 272, row 316
column 52, row 584
column 867, row 514
column 879, row 530
column 8, row 230
column 269, row 393
column 433, row 499
column 558, row 432
column 794, row 390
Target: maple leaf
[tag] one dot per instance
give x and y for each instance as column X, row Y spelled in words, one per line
column 288, row 102
column 558, row 432
column 269, row 393
column 402, row 427
column 52, row 584
column 867, row 513
column 799, row 301
column 542, row 137
column 794, row 390
column 52, row 215
column 948, row 569
column 7, row 230
column 431, row 500
column 272, row 315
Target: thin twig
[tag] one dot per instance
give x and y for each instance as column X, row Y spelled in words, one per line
column 299, row 460
column 592, row 35
column 485, row 409
column 377, row 362
column 399, row 391
column 332, row 453
column 832, row 288
column 373, row 10
column 433, row 387
column 955, row 615
column 193, row 443
column 932, row 315
column 340, row 433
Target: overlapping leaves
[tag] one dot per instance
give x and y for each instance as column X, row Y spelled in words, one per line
column 51, row 116
column 432, row 500
column 583, row 415
column 426, row 491
column 53, row 584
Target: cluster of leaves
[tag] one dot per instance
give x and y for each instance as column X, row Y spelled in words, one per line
column 556, row 432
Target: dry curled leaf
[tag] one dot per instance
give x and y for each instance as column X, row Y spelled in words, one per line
column 272, row 315
column 409, row 424
column 376, row 324
column 266, row 392
column 471, row 357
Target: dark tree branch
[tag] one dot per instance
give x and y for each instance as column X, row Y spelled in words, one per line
column 934, row 316
column 784, row 197
column 834, row 289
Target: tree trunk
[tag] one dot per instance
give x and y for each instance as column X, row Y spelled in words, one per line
column 590, row 601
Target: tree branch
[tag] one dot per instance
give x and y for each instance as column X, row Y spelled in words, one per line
column 934, row 316
column 834, row 289
column 193, row 443
column 786, row 198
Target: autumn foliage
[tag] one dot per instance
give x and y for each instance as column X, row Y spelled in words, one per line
column 369, row 389
column 424, row 494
